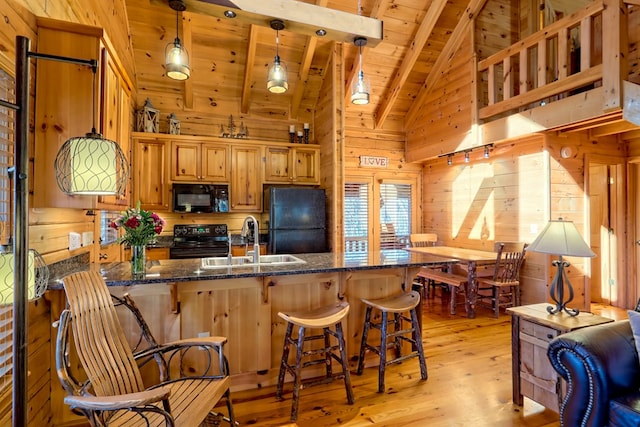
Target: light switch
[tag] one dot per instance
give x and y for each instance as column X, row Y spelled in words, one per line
column 87, row 238
column 74, row 241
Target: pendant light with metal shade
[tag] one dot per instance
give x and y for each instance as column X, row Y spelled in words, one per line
column 277, row 75
column 176, row 56
column 361, row 87
column 91, row 165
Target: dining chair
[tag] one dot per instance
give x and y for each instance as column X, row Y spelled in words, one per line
column 502, row 289
column 192, row 374
column 426, row 286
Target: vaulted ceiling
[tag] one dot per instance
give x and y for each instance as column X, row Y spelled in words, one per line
column 230, row 57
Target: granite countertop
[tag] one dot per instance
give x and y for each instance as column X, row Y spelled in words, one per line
column 182, row 270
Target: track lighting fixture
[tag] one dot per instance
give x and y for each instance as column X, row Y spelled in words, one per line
column 277, row 75
column 176, row 56
column 467, row 153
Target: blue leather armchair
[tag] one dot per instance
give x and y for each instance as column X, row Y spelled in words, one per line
column 600, row 365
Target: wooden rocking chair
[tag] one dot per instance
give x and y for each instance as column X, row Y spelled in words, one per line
column 192, row 374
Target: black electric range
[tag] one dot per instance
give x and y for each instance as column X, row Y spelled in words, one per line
column 199, row 241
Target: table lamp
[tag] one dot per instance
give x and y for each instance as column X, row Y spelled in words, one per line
column 563, row 239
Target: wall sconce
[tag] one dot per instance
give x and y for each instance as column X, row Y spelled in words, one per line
column 467, row 153
column 361, row 87
column 277, row 75
column 176, row 57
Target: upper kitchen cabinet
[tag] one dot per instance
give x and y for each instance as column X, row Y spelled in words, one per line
column 204, row 162
column 68, row 104
column 150, row 177
column 246, row 180
column 292, row 164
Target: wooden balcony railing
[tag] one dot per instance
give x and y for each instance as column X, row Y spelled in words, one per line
column 576, row 53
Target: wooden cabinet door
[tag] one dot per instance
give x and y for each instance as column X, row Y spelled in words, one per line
column 306, row 165
column 151, row 186
column 116, row 121
column 246, row 179
column 215, row 163
column 185, row 161
column 276, row 167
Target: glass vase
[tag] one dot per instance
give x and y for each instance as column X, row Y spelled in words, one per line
column 138, row 259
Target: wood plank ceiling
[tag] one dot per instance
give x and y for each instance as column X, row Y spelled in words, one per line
column 230, row 57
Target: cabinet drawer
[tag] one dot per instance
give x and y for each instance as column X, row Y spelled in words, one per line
column 538, row 331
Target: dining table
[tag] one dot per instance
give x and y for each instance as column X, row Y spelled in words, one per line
column 472, row 258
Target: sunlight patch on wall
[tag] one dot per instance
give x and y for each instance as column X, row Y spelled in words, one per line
column 473, row 202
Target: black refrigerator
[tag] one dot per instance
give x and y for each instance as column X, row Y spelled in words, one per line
column 297, row 221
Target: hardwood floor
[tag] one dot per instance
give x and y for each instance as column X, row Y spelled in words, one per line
column 469, row 366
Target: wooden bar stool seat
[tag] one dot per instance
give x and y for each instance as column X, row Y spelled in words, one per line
column 400, row 305
column 320, row 318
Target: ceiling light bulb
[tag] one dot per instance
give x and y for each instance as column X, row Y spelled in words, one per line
column 450, row 159
column 486, row 151
column 466, row 157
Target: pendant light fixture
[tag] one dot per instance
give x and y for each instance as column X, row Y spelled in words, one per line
column 176, row 56
column 91, row 165
column 361, row 87
column 277, row 75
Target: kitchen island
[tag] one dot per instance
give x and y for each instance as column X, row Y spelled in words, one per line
column 181, row 299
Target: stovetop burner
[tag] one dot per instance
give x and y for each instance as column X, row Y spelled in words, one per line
column 199, row 241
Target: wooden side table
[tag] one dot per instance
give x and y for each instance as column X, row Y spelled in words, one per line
column 532, row 328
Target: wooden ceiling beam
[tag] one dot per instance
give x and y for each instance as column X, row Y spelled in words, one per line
column 612, row 129
column 378, row 10
column 445, row 56
column 299, row 17
column 410, row 58
column 248, row 69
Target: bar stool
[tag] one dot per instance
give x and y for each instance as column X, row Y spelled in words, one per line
column 320, row 318
column 399, row 305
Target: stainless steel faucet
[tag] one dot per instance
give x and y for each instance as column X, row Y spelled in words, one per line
column 256, row 234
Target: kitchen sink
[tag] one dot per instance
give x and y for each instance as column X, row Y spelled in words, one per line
column 247, row 261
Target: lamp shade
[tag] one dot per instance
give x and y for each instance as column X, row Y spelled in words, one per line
column 561, row 237
column 91, row 165
column 177, row 61
column 38, row 276
column 277, row 77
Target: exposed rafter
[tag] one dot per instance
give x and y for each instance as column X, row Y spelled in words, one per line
column 445, row 56
column 299, row 17
column 188, row 45
column 410, row 58
column 248, row 68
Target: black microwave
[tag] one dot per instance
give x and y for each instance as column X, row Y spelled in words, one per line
column 200, row 198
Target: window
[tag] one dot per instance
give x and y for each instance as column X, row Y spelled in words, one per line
column 356, row 214
column 7, row 138
column 390, row 204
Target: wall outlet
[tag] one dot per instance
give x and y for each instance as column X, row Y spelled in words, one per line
column 203, row 334
column 74, row 241
column 87, row 238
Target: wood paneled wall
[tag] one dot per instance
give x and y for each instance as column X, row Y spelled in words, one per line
column 444, row 121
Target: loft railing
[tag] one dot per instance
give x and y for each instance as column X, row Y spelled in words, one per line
column 576, row 53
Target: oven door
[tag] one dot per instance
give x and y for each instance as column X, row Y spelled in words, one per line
column 176, row 252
